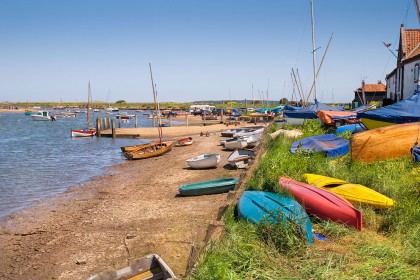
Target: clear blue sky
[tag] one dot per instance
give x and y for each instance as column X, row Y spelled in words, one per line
column 199, row 50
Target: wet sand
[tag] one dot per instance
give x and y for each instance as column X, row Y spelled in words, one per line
column 111, row 220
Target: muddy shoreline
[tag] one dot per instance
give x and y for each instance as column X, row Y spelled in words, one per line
column 132, row 211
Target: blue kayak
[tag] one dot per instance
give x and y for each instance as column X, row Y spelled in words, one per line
column 331, row 144
column 259, row 206
column 208, row 187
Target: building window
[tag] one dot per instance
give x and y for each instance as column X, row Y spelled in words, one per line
column 416, row 73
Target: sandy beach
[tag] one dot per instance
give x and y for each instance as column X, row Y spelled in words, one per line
column 111, row 220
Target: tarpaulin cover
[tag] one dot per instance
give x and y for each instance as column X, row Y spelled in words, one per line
column 309, row 112
column 405, row 111
column 331, row 144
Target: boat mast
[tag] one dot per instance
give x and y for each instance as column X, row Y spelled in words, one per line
column 156, row 104
column 88, row 105
column 313, row 46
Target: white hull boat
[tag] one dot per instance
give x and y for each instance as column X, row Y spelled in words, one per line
column 233, row 144
column 204, row 161
column 42, row 116
column 241, row 158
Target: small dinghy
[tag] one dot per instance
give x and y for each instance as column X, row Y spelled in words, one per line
column 233, row 144
column 204, row 161
column 183, row 142
column 149, row 267
column 258, row 207
column 241, row 158
column 208, row 187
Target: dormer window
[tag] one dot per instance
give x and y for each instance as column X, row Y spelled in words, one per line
column 416, row 73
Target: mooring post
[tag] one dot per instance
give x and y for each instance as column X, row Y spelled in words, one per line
column 98, row 127
column 114, row 135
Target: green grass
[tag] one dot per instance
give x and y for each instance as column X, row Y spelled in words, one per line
column 387, row 248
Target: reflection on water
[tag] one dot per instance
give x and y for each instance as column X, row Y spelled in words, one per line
column 40, row 159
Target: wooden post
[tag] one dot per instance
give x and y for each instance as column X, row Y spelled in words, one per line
column 204, row 118
column 170, row 120
column 119, row 123
column 135, row 124
column 114, row 134
column 98, row 127
column 186, row 118
column 221, row 116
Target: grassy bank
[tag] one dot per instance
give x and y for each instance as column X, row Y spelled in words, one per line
column 387, row 248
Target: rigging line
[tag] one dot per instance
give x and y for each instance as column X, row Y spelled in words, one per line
column 406, row 12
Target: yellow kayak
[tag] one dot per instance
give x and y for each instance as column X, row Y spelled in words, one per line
column 354, row 193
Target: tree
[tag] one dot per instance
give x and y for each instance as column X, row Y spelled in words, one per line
column 120, row 102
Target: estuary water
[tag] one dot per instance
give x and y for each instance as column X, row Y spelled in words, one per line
column 39, row 158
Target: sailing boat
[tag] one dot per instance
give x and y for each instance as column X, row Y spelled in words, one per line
column 87, row 131
column 156, row 148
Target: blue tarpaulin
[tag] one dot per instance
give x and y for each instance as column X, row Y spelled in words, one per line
column 309, row 112
column 331, row 144
column 405, row 111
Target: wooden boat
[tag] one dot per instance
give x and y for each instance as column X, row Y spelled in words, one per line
column 153, row 149
column 134, row 148
column 384, row 142
column 355, row 193
column 323, row 204
column 208, row 187
column 330, row 144
column 87, row 131
column 258, row 207
column 183, row 142
column 204, row 161
column 42, row 116
column 149, row 267
column 240, row 158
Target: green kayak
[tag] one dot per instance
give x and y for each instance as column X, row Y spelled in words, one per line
column 208, row 187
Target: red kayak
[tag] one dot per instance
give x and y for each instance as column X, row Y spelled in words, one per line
column 323, row 204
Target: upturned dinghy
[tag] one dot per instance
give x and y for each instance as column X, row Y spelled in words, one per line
column 204, row 161
column 149, row 267
column 208, row 187
column 355, row 193
column 258, row 207
column 323, row 204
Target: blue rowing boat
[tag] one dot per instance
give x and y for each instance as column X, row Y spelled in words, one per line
column 259, row 206
column 208, row 187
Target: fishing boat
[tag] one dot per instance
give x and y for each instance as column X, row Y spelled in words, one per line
column 134, row 148
column 241, row 158
column 332, row 145
column 42, row 116
column 186, row 141
column 258, row 207
column 149, row 267
column 87, row 131
column 385, row 142
column 208, row 187
column 124, row 116
column 323, row 204
column 405, row 111
column 355, row 193
column 204, row 161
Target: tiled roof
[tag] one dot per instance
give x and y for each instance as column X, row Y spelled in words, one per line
column 373, row 88
column 411, row 39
